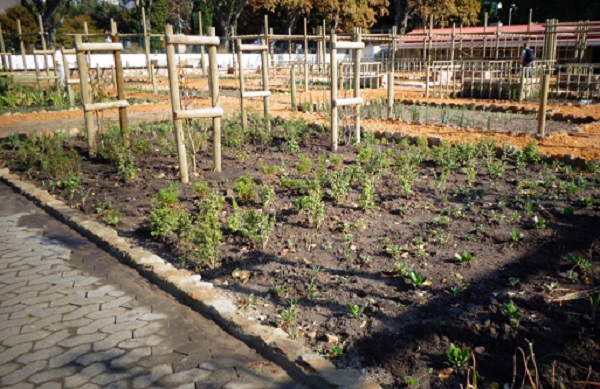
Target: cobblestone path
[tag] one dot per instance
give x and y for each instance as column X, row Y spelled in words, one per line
column 71, row 316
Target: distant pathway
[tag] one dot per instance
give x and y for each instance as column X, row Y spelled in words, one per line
column 71, row 316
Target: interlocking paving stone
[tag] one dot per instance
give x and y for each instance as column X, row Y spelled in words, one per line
column 72, row 316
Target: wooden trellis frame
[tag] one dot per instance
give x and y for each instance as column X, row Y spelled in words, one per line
column 89, row 107
column 265, row 92
column 356, row 101
column 38, row 73
column 216, row 112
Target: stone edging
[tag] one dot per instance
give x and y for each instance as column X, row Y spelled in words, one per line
column 298, row 360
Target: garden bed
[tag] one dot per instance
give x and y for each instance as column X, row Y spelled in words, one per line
column 379, row 256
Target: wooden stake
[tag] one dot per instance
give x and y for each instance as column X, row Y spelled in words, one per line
column 264, row 56
column 22, row 45
column 44, row 45
column 242, row 86
column 305, row 56
column 176, row 106
column 202, row 59
column 357, row 54
column 543, row 104
column 334, row 93
column 120, row 89
column 147, row 52
column 214, row 92
column 293, row 86
column 86, row 98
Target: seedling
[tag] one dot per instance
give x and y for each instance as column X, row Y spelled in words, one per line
column 417, row 279
column 513, row 281
column 336, row 352
column 539, row 223
column 512, row 310
column 551, row 287
column 456, row 357
column 580, row 261
column 456, row 290
column 464, row 257
column 516, row 236
column 355, row 311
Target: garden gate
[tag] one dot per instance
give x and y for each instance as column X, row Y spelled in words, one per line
column 216, row 112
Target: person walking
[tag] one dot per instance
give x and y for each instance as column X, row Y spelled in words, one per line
column 527, row 57
column 59, row 66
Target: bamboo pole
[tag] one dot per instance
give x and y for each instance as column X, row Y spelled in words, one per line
column 305, row 56
column 357, row 54
column 390, row 96
column 214, row 92
column 120, row 89
column 242, row 86
column 3, row 51
column 44, row 45
column 543, row 103
column 264, row 56
column 293, row 86
column 266, row 42
column 176, row 106
column 68, row 84
column 147, row 52
column 202, row 58
column 334, row 93
column 86, row 97
column 22, row 45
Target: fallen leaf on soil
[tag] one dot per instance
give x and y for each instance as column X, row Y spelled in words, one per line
column 243, row 275
column 283, row 253
column 446, row 373
column 332, row 339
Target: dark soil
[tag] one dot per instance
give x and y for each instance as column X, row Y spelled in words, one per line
column 353, row 259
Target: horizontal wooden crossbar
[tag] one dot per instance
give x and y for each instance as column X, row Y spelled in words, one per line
column 43, row 51
column 254, row 48
column 260, row 93
column 348, row 45
column 346, row 102
column 69, row 51
column 193, row 40
column 99, row 47
column 103, row 106
column 204, row 113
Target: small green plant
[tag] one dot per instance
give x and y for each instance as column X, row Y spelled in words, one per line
column 367, row 198
column 289, row 318
column 355, row 311
column 107, row 213
column 336, row 351
column 539, row 223
column 512, row 311
column 267, row 194
column 245, row 189
column 202, row 188
column 456, row 357
column 314, row 204
column 516, row 236
column 304, row 165
column 417, row 279
column 464, row 257
column 580, row 261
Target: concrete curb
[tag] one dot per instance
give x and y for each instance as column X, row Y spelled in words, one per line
column 273, row 343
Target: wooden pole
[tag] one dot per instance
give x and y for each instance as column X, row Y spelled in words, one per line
column 3, row 50
column 485, row 23
column 86, row 97
column 543, row 103
column 22, row 45
column 334, row 93
column 498, row 39
column 453, row 45
column 67, row 81
column 264, row 56
column 267, row 43
column 147, row 52
column 120, row 89
column 176, row 106
column 44, row 45
column 357, row 54
column 202, row 58
column 242, row 86
column 293, row 86
column 305, row 56
column 214, row 92
column 529, row 23
column 390, row 96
